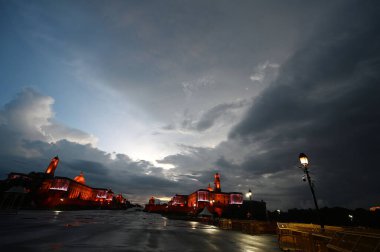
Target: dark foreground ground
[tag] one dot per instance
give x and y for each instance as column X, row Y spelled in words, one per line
column 119, row 231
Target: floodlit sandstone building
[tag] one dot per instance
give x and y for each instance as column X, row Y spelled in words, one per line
column 45, row 190
column 216, row 201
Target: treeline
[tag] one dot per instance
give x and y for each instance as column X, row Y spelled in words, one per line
column 336, row 216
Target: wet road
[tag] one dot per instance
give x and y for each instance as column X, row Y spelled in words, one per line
column 119, row 231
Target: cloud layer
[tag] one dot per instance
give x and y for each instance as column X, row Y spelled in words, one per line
column 203, row 86
column 30, row 137
column 324, row 103
column 30, row 115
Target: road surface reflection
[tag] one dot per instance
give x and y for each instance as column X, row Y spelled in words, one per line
column 119, row 231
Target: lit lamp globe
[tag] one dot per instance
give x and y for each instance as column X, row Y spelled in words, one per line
column 249, row 194
column 303, row 159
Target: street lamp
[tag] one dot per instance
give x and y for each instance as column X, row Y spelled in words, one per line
column 249, row 194
column 305, row 162
column 303, row 159
column 249, row 203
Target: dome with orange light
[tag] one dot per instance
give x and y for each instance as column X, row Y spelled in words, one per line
column 80, row 178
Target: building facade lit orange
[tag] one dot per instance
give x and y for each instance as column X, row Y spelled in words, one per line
column 214, row 199
column 49, row 191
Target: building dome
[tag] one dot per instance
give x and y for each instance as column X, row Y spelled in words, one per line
column 80, row 178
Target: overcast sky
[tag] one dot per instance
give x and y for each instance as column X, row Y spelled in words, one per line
column 152, row 98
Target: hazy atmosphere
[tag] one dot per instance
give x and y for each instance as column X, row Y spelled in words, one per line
column 151, row 98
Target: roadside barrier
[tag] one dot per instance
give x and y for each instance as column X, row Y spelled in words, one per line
column 225, row 223
column 309, row 237
column 354, row 241
column 302, row 238
column 248, row 226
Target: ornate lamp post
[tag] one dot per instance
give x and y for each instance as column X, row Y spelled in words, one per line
column 305, row 162
column 249, row 203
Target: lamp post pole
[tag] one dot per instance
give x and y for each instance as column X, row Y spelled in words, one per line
column 304, row 162
column 249, row 195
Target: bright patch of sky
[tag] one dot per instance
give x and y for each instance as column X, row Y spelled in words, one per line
column 125, row 89
column 123, row 73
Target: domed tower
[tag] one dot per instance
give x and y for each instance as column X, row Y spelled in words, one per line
column 52, row 166
column 217, row 183
column 80, row 178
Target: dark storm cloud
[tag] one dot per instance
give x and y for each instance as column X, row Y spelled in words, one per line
column 194, row 158
column 146, row 50
column 209, row 118
column 89, row 167
column 222, row 113
column 325, row 103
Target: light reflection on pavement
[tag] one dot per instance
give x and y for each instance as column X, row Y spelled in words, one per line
column 119, row 231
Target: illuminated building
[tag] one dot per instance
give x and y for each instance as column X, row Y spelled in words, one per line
column 179, row 200
column 217, row 183
column 80, row 178
column 213, row 199
column 49, row 191
column 374, row 208
column 52, row 166
column 155, row 206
